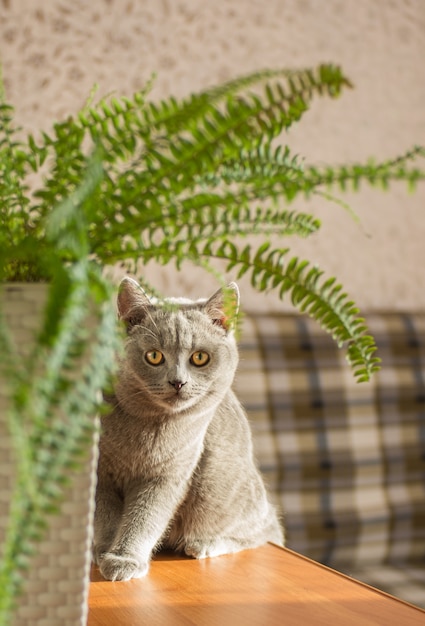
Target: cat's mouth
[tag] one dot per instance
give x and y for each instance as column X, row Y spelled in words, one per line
column 179, row 400
column 176, row 397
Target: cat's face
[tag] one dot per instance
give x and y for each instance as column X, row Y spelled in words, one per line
column 178, row 357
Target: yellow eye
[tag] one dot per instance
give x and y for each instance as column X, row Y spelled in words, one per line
column 154, row 357
column 200, row 358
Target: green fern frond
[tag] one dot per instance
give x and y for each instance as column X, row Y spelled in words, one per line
column 244, row 120
column 13, row 188
column 326, row 77
column 173, row 117
column 323, row 300
column 201, row 218
column 375, row 174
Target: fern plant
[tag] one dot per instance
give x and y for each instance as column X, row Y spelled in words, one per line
column 130, row 180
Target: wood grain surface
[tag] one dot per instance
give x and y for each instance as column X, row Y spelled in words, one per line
column 265, row 586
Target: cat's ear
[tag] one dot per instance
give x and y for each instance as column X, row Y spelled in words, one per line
column 223, row 306
column 132, row 302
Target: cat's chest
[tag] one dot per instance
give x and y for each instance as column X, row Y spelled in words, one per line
column 133, row 450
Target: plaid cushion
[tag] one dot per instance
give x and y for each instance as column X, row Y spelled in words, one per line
column 404, row 580
column 344, row 461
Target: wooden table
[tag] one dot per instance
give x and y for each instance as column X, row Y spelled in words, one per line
column 264, row 587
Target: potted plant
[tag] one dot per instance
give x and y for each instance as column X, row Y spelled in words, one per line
column 127, row 181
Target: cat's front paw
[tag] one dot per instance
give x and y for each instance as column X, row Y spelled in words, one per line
column 115, row 567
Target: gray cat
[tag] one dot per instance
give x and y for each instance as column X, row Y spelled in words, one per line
column 176, row 466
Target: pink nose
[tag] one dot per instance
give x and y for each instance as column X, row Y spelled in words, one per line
column 177, row 384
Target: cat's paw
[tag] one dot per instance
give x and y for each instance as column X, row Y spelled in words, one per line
column 115, row 567
column 199, row 549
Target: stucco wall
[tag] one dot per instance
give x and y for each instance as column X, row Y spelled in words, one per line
column 53, row 52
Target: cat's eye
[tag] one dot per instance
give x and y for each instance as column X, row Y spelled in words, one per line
column 154, row 357
column 200, row 358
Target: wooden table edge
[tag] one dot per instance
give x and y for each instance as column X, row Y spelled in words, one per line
column 347, row 577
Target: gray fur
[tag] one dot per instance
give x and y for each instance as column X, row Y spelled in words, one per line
column 176, row 466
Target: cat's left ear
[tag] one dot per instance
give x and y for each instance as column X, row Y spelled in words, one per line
column 223, row 306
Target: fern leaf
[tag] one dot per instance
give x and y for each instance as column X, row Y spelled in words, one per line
column 374, row 174
column 310, row 294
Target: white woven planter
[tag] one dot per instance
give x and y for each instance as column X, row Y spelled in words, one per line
column 57, row 583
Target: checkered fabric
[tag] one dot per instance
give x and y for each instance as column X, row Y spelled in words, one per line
column 344, row 461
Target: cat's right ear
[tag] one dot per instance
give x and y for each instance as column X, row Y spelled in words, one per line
column 132, row 302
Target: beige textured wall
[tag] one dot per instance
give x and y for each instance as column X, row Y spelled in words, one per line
column 54, row 51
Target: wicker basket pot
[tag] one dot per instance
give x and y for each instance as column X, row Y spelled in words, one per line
column 56, row 586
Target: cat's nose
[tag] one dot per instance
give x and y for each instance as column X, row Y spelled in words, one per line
column 177, row 384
